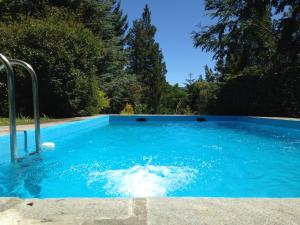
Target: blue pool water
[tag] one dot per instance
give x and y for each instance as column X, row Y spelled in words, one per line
column 165, row 156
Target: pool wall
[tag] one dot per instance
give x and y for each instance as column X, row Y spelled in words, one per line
column 112, row 119
column 285, row 123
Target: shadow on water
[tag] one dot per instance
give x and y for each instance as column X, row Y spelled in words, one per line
column 23, row 179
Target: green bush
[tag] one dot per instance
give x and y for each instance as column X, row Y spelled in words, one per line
column 104, row 101
column 173, row 100
column 279, row 94
column 128, row 110
column 273, row 94
column 202, row 97
column 65, row 56
column 238, row 96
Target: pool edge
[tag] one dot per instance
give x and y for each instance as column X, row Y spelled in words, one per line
column 277, row 120
column 150, row 211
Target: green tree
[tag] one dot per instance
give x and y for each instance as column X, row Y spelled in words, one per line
column 173, row 100
column 209, row 74
column 95, row 15
column 202, row 96
column 120, row 86
column 146, row 61
column 284, row 74
column 64, row 55
column 288, row 31
column 106, row 21
column 257, row 56
column 242, row 37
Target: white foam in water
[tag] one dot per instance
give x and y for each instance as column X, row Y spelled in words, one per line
column 48, row 145
column 144, row 181
column 149, row 159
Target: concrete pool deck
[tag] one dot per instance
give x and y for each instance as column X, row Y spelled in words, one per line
column 5, row 129
column 150, row 211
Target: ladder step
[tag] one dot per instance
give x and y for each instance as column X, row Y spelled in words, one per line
column 25, row 140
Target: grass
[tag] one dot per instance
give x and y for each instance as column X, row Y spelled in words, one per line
column 22, row 120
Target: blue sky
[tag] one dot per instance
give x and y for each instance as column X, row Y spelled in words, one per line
column 175, row 20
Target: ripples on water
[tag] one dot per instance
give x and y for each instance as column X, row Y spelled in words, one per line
column 222, row 159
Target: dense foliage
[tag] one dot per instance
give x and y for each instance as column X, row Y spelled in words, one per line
column 258, row 57
column 106, row 25
column 65, row 55
column 88, row 61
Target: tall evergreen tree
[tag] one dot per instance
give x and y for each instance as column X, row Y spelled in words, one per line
column 120, row 22
column 242, row 38
column 288, row 29
column 209, row 74
column 146, row 61
column 118, row 84
column 286, row 63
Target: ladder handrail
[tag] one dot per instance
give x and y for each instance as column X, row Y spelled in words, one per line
column 8, row 64
column 35, row 91
column 12, row 107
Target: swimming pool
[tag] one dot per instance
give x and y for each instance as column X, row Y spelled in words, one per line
column 143, row 156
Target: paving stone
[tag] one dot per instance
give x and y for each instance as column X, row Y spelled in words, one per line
column 221, row 211
column 152, row 211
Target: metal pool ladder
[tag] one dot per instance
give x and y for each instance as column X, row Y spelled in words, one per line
column 8, row 65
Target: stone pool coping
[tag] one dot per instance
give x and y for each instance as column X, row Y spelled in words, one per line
column 150, row 211
column 5, row 129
